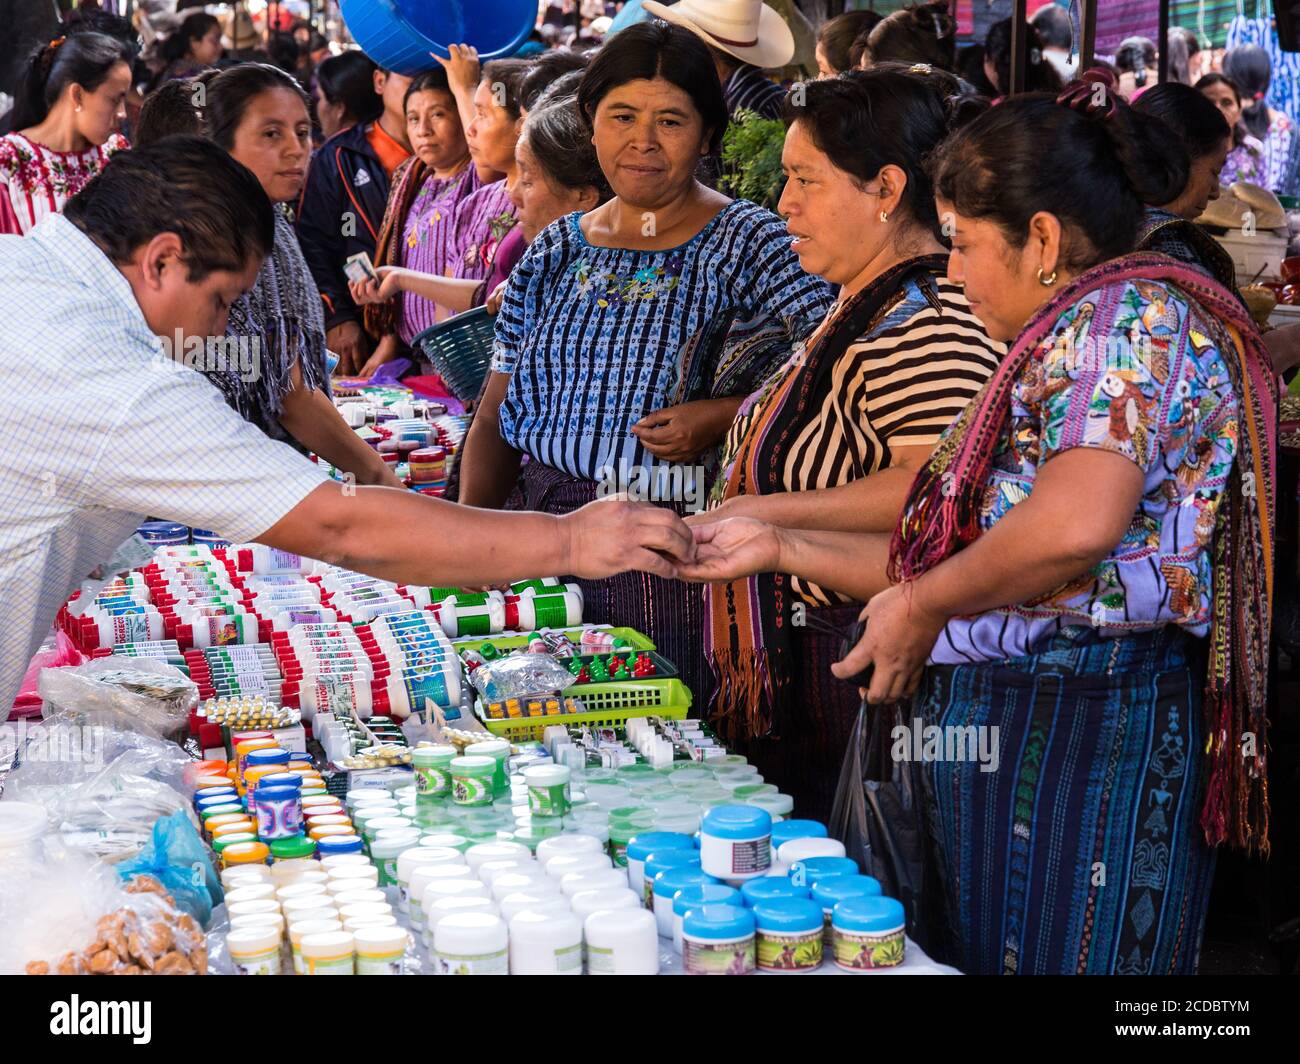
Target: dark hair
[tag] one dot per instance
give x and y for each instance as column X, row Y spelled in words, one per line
column 1206, row 80
column 168, row 110
column 84, row 59
column 283, row 51
column 1040, row 75
column 231, row 91
column 1096, row 175
column 658, row 49
column 183, row 185
column 864, row 120
column 970, row 68
column 97, row 20
column 1248, row 65
column 918, row 33
column 434, row 80
column 1055, row 29
column 564, row 85
column 509, row 75
column 838, row 36
column 545, row 70
column 1136, row 55
column 194, row 28
column 1182, row 45
column 349, row 79
column 561, row 142
column 1198, row 123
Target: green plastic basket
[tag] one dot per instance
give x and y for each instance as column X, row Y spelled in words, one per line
column 631, row 636
column 460, row 350
column 611, row 705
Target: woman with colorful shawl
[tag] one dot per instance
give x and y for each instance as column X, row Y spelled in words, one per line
column 835, row 437
column 279, row 382
column 1083, row 572
column 1086, row 562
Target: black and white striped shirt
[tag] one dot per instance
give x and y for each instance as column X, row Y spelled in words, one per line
column 747, row 89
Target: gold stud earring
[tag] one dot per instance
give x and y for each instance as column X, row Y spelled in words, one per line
column 1048, row 281
column 884, row 216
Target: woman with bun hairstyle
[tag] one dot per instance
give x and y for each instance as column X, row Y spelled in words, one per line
column 832, row 440
column 1250, row 69
column 918, row 33
column 1086, row 563
column 65, row 119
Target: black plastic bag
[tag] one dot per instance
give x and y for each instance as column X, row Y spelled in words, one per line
column 879, row 816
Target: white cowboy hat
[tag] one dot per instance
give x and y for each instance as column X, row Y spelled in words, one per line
column 747, row 29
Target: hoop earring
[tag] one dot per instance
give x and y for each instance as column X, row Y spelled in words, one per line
column 884, row 216
column 1048, row 281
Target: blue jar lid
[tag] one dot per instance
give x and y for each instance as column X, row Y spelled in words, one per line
column 672, row 880
column 639, row 847
column 697, row 894
column 300, row 757
column 718, row 922
column 662, row 860
column 210, row 800
column 268, row 756
column 793, row 915
column 769, row 888
column 835, row 888
column 276, row 794
column 737, row 822
column 213, row 792
column 164, row 533
column 811, row 869
column 281, row 779
column 785, row 830
column 338, row 844
column 868, row 913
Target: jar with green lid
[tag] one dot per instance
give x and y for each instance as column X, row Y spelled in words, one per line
column 640, row 816
column 637, row 772
column 294, row 848
column 473, row 780
column 781, row 806
column 222, row 841
column 533, row 832
column 387, row 847
column 432, row 772
column 227, row 809
column 499, row 751
column 448, row 839
column 371, row 811
column 753, row 790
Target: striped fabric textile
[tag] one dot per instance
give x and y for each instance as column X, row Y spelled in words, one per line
column 596, row 338
column 748, row 90
column 1080, row 852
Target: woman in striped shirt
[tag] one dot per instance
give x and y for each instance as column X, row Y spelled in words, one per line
column 628, row 336
column 833, row 440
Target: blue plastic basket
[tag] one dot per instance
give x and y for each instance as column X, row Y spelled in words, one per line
column 460, row 350
column 400, row 34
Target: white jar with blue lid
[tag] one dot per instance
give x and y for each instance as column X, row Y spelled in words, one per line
column 661, row 861
column 869, row 932
column 665, row 889
column 736, row 842
column 641, row 846
column 693, row 897
column 718, row 940
column 831, row 891
column 788, row 934
column 785, row 830
column 812, row 870
column 770, row 888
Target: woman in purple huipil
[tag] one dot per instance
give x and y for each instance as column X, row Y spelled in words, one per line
column 460, row 240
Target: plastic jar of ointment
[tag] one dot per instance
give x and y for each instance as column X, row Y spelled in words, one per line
column 736, row 842
column 868, row 932
column 693, row 897
column 255, row 950
column 471, row 943
column 789, row 934
column 545, row 944
column 327, row 953
column 622, row 942
column 380, row 950
column 718, row 940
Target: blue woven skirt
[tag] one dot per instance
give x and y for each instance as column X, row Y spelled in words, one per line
column 1080, row 852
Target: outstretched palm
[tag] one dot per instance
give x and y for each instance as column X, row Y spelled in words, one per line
column 730, row 549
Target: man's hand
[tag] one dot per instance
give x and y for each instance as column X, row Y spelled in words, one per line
column 750, row 506
column 899, row 637
column 348, row 341
column 611, row 536
column 679, row 433
column 731, row 549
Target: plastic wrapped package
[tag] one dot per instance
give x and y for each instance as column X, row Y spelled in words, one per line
column 128, row 694
column 520, row 675
column 105, row 801
column 176, row 857
column 65, row 913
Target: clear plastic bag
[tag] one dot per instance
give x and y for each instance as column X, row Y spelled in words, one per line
column 105, row 801
column 128, row 694
column 519, row 675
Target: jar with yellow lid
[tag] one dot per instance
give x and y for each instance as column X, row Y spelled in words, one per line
column 239, row 853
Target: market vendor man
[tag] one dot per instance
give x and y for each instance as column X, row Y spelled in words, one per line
column 101, row 428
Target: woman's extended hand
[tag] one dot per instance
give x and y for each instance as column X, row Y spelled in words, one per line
column 731, row 549
column 388, row 286
column 462, row 68
column 898, row 639
column 682, row 432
